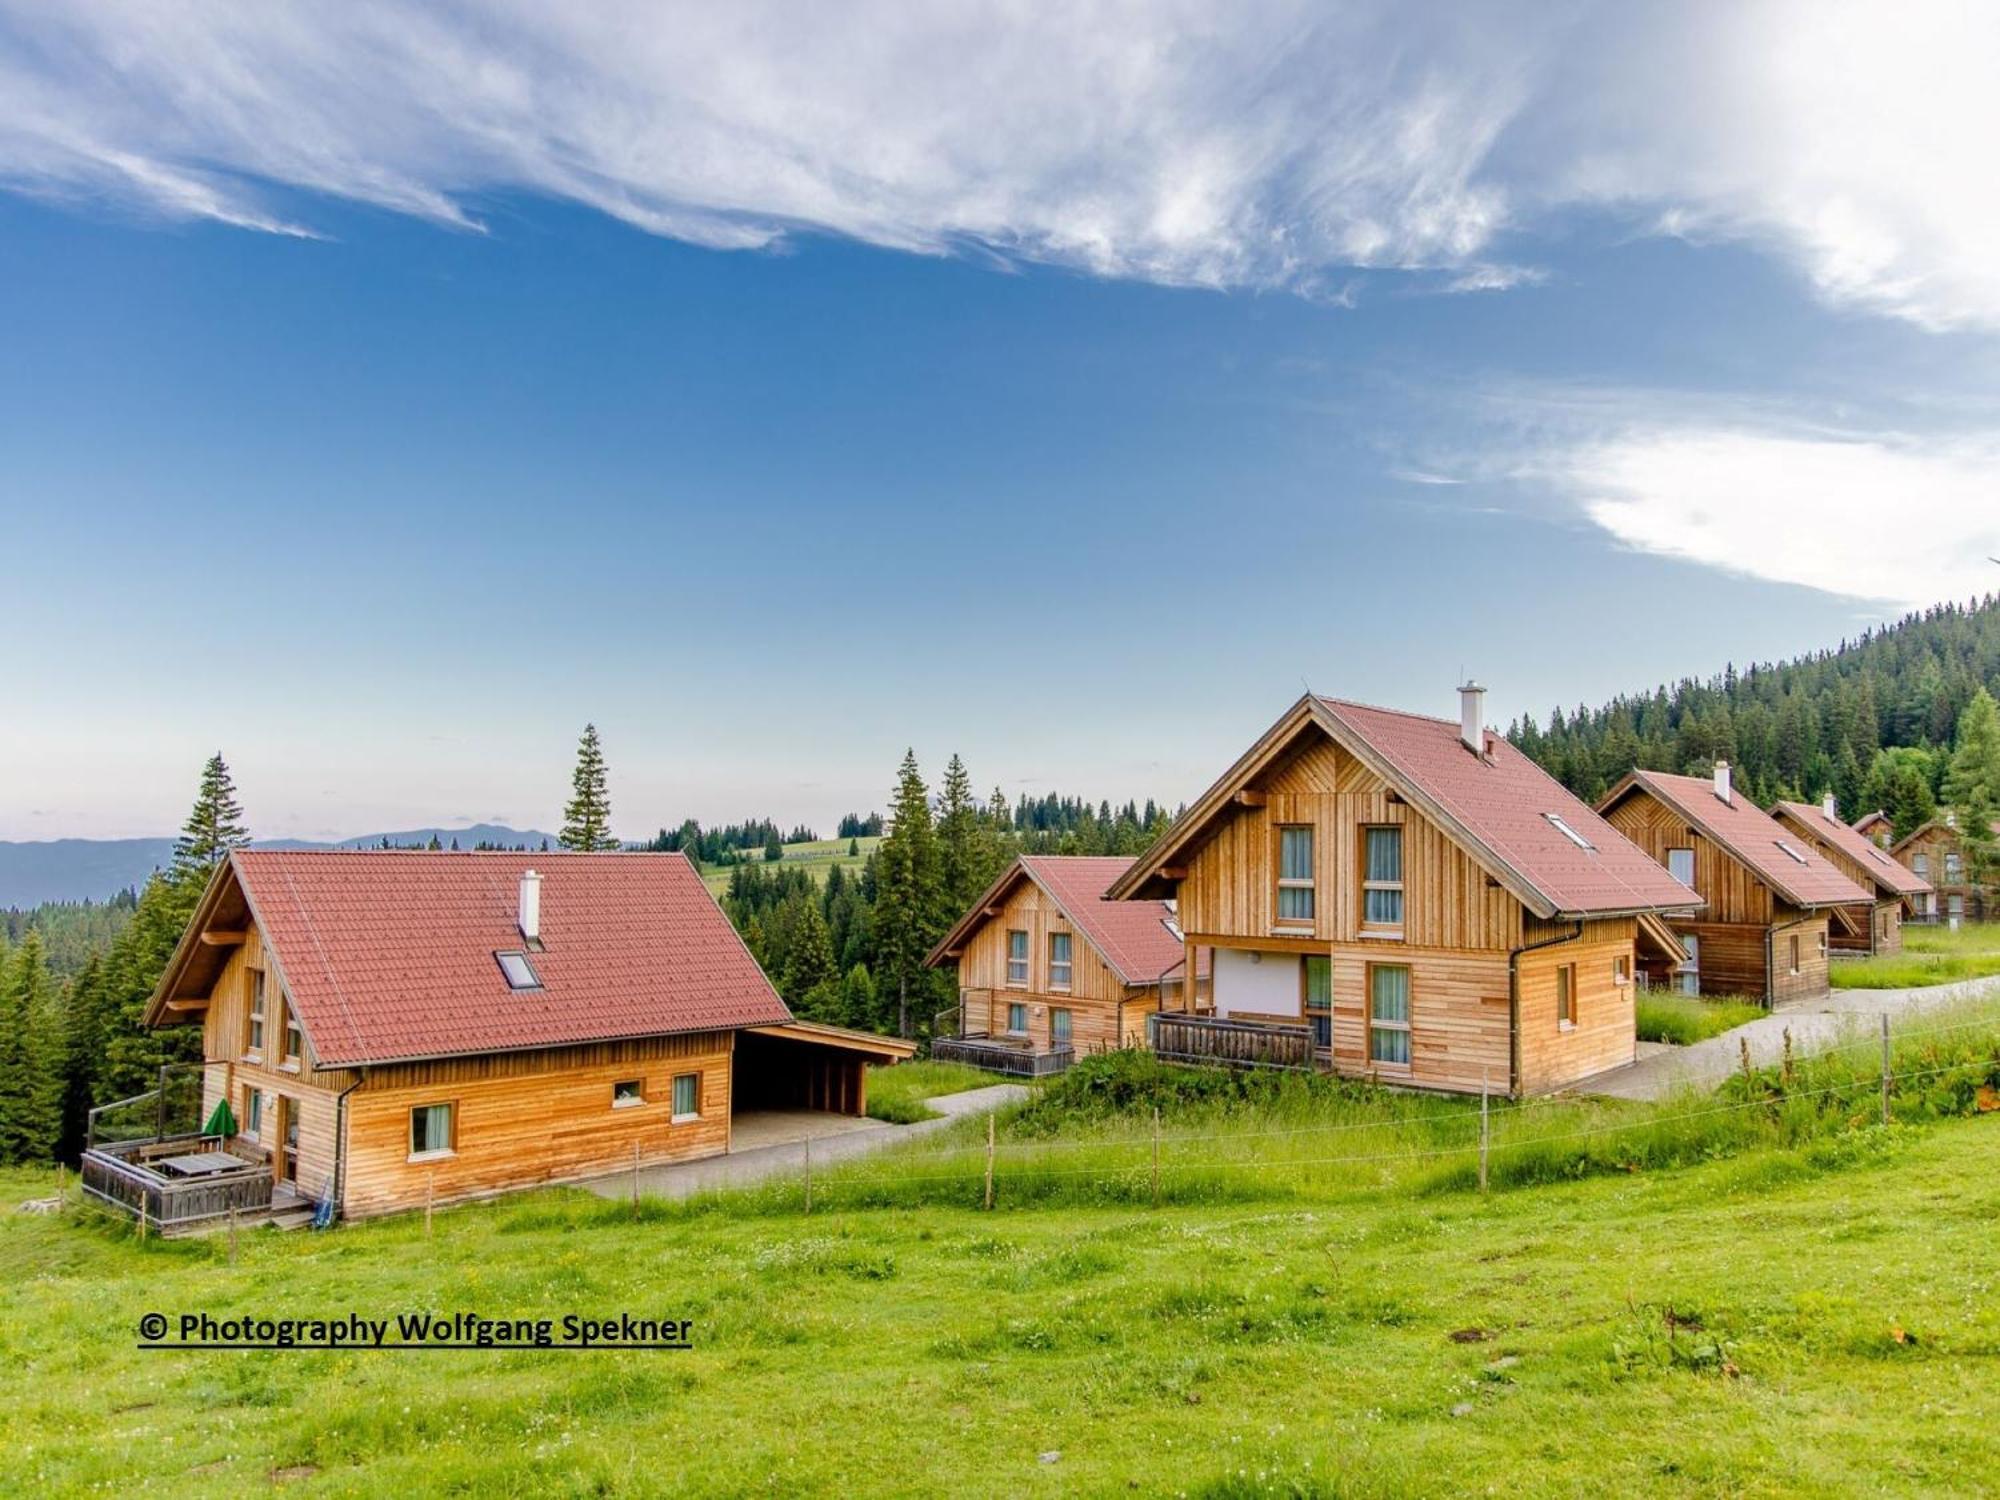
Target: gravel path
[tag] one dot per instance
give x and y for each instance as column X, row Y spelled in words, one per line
column 743, row 1168
column 1815, row 1025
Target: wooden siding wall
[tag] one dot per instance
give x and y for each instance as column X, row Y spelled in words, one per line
column 527, row 1118
column 1811, row 980
column 1458, row 1017
column 1449, row 901
column 1605, row 1034
column 308, row 1091
column 1094, row 993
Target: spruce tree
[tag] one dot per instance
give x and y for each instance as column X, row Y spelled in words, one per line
column 587, row 818
column 959, row 863
column 213, row 827
column 909, row 908
column 1972, row 786
column 809, row 961
column 30, row 1056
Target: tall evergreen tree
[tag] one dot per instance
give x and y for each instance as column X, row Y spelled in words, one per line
column 213, row 827
column 959, row 861
column 909, row 909
column 1972, row 786
column 587, row 818
column 809, row 962
column 30, row 1057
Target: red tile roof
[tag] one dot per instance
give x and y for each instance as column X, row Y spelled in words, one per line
column 1857, row 846
column 1133, row 937
column 388, row 954
column 1756, row 838
column 1502, row 803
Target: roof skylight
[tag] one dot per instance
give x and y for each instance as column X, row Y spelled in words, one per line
column 520, row 973
column 1789, row 850
column 1570, row 833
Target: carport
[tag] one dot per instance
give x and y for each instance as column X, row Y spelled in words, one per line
column 807, row 1066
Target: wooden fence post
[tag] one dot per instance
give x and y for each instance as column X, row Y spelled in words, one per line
column 1485, row 1128
column 1156, row 1156
column 1885, row 1067
column 989, row 1161
column 809, row 1174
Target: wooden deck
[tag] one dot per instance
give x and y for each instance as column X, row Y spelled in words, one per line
column 129, row 1176
column 1013, row 1057
column 1213, row 1041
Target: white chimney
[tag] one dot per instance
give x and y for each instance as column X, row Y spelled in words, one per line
column 1472, row 717
column 1827, row 806
column 531, row 906
column 1722, row 780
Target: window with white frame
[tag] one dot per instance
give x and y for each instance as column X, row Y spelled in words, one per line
column 1382, row 877
column 687, row 1096
column 1566, row 996
column 1792, row 953
column 253, row 1113
column 1389, row 1015
column 255, row 1040
column 1059, row 960
column 1954, row 866
column 430, row 1130
column 1920, row 866
column 1621, row 969
column 628, row 1092
column 1060, row 1027
column 295, row 1037
column 1680, row 865
column 1295, row 874
column 1017, row 956
column 1017, row 1018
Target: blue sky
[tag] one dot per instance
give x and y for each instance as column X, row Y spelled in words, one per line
column 1069, row 421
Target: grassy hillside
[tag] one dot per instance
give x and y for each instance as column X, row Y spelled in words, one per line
column 1931, row 955
column 1731, row 1329
column 1815, row 1319
column 815, row 858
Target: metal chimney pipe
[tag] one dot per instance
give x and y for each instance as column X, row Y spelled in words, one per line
column 1722, row 780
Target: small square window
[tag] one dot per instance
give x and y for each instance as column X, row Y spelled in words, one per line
column 687, row 1096
column 627, row 1092
column 430, row 1130
column 1621, row 970
column 520, row 973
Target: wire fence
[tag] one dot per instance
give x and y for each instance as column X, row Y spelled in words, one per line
column 1491, row 1128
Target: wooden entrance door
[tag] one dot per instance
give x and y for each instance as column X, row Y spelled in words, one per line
column 288, row 1140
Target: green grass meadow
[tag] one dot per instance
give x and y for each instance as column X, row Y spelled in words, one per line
column 1683, row 1020
column 897, row 1094
column 1931, row 955
column 1760, row 1292
column 815, row 859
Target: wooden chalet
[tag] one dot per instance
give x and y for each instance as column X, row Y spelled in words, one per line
column 1049, row 968
column 1936, row 854
column 1409, row 899
column 1878, row 926
column 391, row 1028
column 1771, row 897
column 1877, row 827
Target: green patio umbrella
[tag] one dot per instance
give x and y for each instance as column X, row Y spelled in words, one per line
column 222, row 1122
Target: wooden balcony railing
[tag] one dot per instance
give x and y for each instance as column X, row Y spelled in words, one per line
column 1208, row 1040
column 121, row 1176
column 1016, row 1058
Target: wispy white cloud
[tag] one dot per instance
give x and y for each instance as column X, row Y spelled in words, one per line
column 1885, row 517
column 1266, row 143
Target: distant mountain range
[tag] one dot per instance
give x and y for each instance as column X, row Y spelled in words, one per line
column 96, row 869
